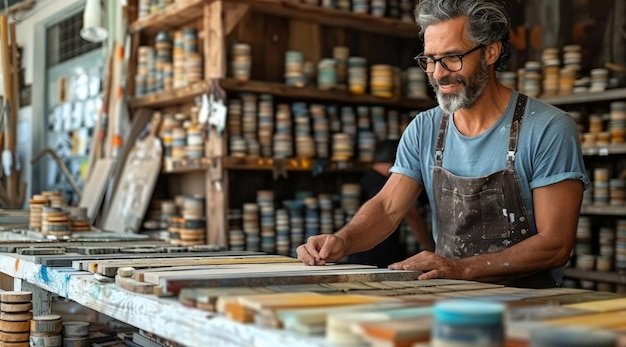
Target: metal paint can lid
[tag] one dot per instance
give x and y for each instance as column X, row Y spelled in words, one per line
column 468, row 312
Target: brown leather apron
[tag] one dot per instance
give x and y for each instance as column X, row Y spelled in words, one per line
column 483, row 214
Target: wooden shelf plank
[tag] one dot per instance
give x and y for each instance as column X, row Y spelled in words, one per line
column 291, row 164
column 187, row 94
column 314, row 94
column 173, row 16
column 608, row 95
column 336, row 18
column 185, row 166
column 604, row 150
column 184, row 11
column 598, row 276
column 603, row 210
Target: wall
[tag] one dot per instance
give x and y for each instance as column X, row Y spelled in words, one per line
column 30, row 35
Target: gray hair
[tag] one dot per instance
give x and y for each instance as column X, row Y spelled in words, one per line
column 488, row 21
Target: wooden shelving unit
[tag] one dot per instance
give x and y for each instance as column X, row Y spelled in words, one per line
column 221, row 22
column 607, row 95
column 187, row 94
column 603, row 210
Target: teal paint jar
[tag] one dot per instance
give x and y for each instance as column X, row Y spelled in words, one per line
column 464, row 323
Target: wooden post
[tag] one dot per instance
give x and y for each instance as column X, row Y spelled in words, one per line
column 215, row 146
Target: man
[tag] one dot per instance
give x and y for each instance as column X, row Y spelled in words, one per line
column 504, row 174
column 392, row 249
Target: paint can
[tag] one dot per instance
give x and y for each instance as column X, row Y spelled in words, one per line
column 464, row 323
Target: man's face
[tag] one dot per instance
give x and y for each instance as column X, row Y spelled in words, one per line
column 460, row 89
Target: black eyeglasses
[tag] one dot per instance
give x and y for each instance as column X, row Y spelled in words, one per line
column 451, row 62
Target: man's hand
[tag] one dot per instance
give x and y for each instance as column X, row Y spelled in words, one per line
column 433, row 266
column 322, row 249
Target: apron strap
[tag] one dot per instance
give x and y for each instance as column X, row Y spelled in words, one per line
column 441, row 139
column 518, row 115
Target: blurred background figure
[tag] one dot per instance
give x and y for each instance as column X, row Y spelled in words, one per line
column 394, row 248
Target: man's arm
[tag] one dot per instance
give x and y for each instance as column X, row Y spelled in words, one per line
column 557, row 209
column 372, row 223
column 415, row 221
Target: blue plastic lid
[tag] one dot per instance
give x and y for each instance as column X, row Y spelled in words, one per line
column 468, row 312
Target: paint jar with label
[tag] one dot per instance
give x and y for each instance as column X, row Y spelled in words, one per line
column 464, row 323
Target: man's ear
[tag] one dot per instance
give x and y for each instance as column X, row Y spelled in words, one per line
column 492, row 52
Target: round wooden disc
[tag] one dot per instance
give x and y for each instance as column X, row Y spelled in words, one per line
column 125, row 271
column 14, row 337
column 16, row 317
column 17, row 307
column 12, row 296
column 14, row 327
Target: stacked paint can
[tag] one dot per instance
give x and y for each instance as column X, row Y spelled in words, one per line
column 15, row 307
column 326, row 213
column 583, row 239
column 164, row 68
column 572, row 59
column 191, row 229
column 348, row 124
column 311, row 217
column 283, row 137
column 379, row 122
column 265, row 202
column 465, row 323
column 378, row 8
column 531, row 79
column 343, row 5
column 601, row 186
column 416, row 83
column 329, row 3
column 620, row 246
column 357, row 75
column 617, row 122
column 360, row 6
column 321, row 130
column 195, row 142
column 606, row 249
column 294, row 75
column 145, row 81
column 599, row 80
column 551, row 71
column 406, row 11
column 296, row 223
column 144, row 8
column 237, row 144
column 283, row 241
column 249, row 124
column 179, row 143
column 350, row 198
column 251, row 226
column 266, row 124
column 193, row 59
column 236, row 236
column 179, row 59
column 305, row 145
column 366, row 140
column 242, row 61
column 340, row 55
column 326, row 74
column 382, row 81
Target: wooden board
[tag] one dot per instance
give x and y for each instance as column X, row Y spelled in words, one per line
column 397, row 332
column 132, row 195
column 174, row 284
column 155, row 276
column 109, row 267
column 95, row 186
column 81, row 259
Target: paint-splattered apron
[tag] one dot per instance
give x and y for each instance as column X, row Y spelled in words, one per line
column 483, row 214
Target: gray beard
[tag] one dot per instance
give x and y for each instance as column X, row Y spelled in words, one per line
column 468, row 96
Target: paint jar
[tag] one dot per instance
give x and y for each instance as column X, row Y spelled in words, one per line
column 464, row 323
column 555, row 336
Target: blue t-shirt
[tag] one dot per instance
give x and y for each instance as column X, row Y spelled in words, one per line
column 548, row 151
